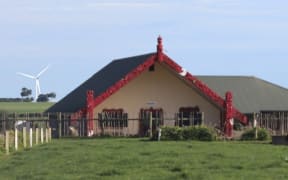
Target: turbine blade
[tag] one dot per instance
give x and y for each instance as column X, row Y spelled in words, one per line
column 26, row 75
column 43, row 70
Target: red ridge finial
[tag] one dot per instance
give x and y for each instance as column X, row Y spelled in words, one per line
column 159, row 49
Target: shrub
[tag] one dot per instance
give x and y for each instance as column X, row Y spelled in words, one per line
column 185, row 133
column 190, row 133
column 204, row 134
column 248, row 135
column 262, row 134
column 171, row 133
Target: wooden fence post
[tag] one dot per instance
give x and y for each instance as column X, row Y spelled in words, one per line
column 255, row 125
column 24, row 137
column 59, row 124
column 37, row 136
column 50, row 135
column 31, row 137
column 202, row 118
column 282, row 124
column 47, row 135
column 41, row 135
column 151, row 125
column 16, row 138
column 7, row 142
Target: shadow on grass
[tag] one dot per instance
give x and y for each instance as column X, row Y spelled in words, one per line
column 110, row 172
column 106, row 137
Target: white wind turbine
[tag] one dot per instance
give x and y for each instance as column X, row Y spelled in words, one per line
column 37, row 81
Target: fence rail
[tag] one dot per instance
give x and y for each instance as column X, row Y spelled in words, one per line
column 66, row 125
column 12, row 140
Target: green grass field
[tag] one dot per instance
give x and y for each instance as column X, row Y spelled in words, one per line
column 123, row 158
column 21, row 107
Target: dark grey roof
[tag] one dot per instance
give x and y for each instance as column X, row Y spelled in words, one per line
column 250, row 94
column 99, row 82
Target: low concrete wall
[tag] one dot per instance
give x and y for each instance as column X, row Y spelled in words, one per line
column 280, row 140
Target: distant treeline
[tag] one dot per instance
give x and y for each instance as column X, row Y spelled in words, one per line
column 16, row 99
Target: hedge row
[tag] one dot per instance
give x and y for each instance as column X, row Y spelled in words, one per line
column 185, row 133
column 16, row 99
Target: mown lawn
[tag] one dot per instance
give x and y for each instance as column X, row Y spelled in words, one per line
column 22, row 107
column 141, row 159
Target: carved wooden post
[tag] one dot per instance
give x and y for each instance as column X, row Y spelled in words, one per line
column 159, row 49
column 228, row 125
column 90, row 112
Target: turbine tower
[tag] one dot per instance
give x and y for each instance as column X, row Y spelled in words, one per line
column 37, row 81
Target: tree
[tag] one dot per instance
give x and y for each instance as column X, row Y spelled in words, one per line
column 42, row 98
column 25, row 92
column 51, row 95
column 45, row 97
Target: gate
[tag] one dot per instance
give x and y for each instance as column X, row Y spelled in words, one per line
column 146, row 120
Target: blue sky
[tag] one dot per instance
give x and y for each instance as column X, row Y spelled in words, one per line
column 77, row 38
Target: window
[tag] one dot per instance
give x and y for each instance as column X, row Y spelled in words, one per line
column 189, row 116
column 113, row 118
column 152, row 68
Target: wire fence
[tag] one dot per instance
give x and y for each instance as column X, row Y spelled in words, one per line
column 106, row 123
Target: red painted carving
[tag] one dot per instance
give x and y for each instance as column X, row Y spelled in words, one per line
column 228, row 125
column 77, row 115
column 205, row 90
column 238, row 115
column 162, row 58
column 218, row 100
column 159, row 49
column 125, row 80
column 90, row 112
column 172, row 64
